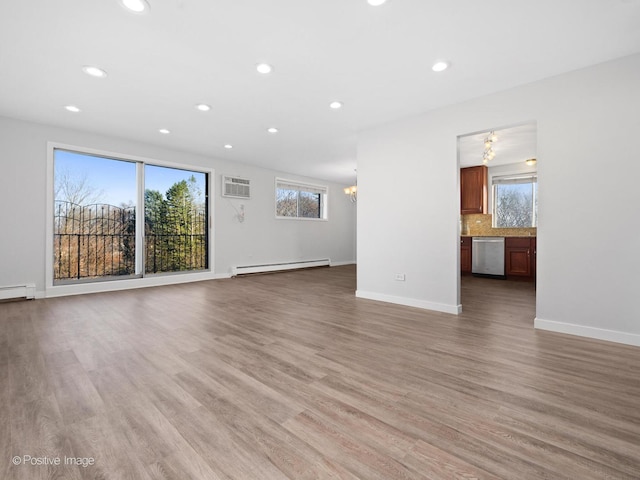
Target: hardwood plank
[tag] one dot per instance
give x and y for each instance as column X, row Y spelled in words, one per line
column 442, row 465
column 5, row 417
column 76, row 395
column 361, row 460
column 221, row 447
column 267, row 438
column 233, row 382
column 115, row 457
column 185, row 464
column 432, row 429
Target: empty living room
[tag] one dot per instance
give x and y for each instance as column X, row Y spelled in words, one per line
column 251, row 240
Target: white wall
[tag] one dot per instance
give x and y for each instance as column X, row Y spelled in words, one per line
column 589, row 227
column 261, row 238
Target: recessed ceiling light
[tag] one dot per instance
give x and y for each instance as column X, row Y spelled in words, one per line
column 376, row 3
column 335, row 105
column 264, row 68
column 72, row 108
column 440, row 66
column 94, row 71
column 136, row 6
column 164, row 131
column 203, row 107
column 272, row 130
column 228, row 146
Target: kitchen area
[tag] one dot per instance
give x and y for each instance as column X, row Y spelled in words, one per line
column 498, row 252
column 498, row 203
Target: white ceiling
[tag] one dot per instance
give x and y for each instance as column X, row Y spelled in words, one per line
column 377, row 60
column 513, row 145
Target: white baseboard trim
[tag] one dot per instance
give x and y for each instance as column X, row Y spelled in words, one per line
column 116, row 285
column 340, row 264
column 40, row 294
column 410, row 302
column 590, row 332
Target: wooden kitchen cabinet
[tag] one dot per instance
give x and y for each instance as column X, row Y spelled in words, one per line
column 473, row 190
column 520, row 257
column 465, row 254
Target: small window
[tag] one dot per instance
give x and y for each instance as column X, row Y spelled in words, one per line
column 515, row 201
column 299, row 200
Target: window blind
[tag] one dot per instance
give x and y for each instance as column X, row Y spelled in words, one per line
column 514, row 179
column 299, row 187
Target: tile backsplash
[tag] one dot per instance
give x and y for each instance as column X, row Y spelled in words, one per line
column 480, row 226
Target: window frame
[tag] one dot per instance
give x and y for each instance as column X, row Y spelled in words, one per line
column 322, row 191
column 102, row 285
column 517, row 178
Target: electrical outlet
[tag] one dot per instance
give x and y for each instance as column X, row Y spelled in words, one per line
column 399, row 277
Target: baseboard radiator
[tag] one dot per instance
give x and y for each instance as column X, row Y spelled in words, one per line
column 277, row 267
column 17, row 292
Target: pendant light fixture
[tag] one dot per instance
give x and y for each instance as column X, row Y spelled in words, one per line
column 489, row 154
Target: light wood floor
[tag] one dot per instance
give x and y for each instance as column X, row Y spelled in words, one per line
column 290, row 376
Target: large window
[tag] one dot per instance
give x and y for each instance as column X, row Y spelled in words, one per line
column 94, row 217
column 515, row 201
column 98, row 233
column 299, row 200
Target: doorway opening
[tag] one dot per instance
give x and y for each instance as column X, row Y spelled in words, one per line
column 498, row 184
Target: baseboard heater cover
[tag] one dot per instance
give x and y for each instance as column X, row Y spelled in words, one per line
column 276, row 267
column 16, row 292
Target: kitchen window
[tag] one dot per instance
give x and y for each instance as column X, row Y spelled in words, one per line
column 300, row 200
column 515, row 201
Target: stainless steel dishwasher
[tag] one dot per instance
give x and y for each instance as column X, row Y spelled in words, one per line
column 487, row 256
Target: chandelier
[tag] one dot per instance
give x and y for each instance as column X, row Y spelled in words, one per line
column 352, row 191
column 488, row 147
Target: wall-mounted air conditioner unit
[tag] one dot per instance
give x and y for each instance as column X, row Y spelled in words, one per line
column 236, row 187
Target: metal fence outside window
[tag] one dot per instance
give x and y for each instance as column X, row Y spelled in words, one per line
column 99, row 240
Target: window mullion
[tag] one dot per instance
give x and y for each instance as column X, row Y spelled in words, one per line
column 140, row 247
